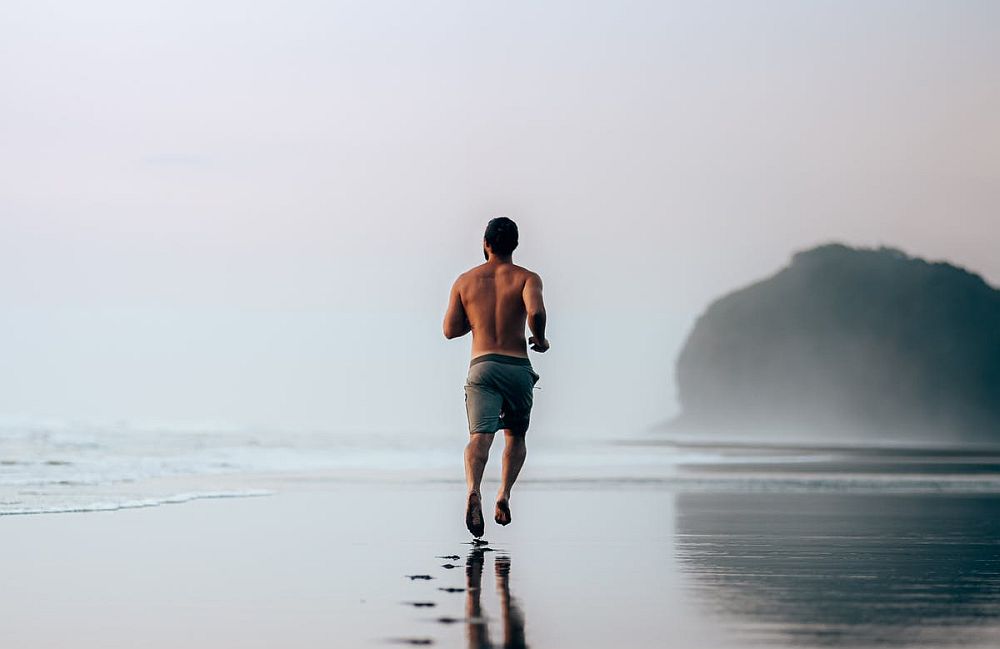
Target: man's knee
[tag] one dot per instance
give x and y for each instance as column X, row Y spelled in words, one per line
column 479, row 444
column 515, row 438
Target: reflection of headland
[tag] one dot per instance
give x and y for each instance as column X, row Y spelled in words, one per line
column 477, row 625
column 846, row 570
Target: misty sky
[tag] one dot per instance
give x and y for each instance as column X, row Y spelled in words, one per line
column 250, row 213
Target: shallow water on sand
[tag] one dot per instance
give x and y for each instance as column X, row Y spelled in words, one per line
column 742, row 570
column 329, row 564
column 845, row 570
column 645, row 544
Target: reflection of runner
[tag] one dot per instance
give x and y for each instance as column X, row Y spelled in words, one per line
column 477, row 627
column 476, row 631
column 513, row 617
column 495, row 301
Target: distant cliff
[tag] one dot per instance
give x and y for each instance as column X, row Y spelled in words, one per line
column 848, row 342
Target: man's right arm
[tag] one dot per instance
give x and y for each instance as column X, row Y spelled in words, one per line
column 456, row 322
column 535, row 309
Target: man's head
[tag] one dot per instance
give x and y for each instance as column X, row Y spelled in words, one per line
column 500, row 237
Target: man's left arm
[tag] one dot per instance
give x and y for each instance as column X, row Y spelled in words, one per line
column 456, row 322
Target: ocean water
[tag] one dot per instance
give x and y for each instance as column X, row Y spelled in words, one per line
column 48, row 467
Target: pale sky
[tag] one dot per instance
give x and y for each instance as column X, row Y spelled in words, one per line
column 250, row 213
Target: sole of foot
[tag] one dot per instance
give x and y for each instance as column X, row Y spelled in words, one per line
column 502, row 515
column 474, row 515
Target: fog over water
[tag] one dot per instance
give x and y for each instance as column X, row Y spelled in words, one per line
column 251, row 215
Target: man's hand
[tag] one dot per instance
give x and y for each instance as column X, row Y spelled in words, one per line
column 540, row 346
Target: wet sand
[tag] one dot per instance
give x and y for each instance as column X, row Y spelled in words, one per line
column 329, row 567
column 366, row 565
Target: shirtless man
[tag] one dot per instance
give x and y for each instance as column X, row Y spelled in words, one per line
column 494, row 301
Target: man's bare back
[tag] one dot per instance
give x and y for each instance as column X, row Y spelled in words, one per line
column 495, row 301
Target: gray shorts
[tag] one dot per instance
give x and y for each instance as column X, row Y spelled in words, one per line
column 498, row 393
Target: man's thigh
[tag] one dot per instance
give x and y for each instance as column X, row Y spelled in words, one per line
column 483, row 407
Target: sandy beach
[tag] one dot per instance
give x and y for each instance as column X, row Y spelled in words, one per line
column 330, row 566
column 324, row 561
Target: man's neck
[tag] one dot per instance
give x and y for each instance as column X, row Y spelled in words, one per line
column 500, row 259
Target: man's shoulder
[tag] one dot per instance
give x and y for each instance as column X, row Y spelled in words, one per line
column 520, row 272
column 529, row 274
column 469, row 274
column 475, row 270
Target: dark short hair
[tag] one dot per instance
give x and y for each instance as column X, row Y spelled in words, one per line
column 501, row 235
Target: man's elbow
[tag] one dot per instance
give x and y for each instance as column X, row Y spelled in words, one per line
column 536, row 313
column 451, row 331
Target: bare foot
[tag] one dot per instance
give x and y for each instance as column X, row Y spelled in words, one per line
column 502, row 514
column 474, row 515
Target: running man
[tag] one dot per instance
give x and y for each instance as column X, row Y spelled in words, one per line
column 494, row 301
